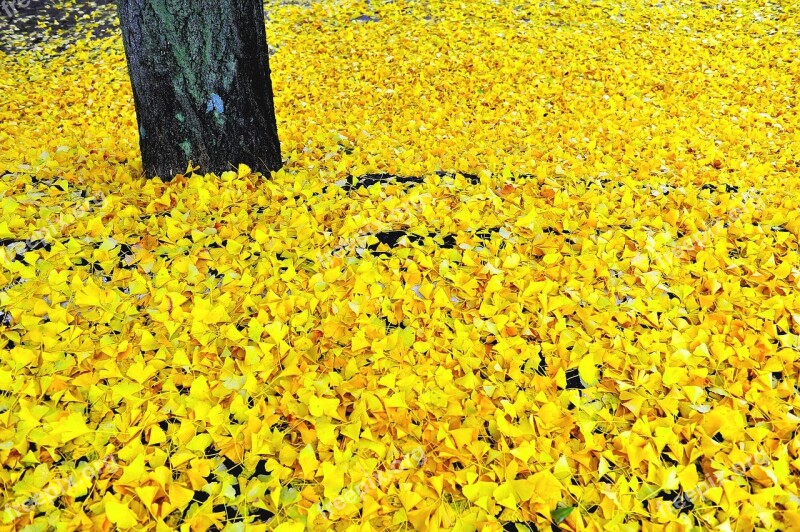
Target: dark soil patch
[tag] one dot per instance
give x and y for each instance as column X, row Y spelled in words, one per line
column 30, row 26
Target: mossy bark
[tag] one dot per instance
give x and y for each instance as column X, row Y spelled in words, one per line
column 201, row 84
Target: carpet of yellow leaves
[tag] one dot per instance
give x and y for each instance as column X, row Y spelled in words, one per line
column 591, row 318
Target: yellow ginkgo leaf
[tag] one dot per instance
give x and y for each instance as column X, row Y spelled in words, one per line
column 118, row 512
column 308, row 461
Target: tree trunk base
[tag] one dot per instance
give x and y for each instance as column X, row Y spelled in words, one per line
column 201, row 85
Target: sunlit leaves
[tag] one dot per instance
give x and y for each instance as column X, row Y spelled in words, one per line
column 580, row 305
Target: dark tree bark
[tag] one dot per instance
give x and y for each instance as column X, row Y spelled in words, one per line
column 201, row 85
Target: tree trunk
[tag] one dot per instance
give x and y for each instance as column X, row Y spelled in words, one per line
column 201, row 85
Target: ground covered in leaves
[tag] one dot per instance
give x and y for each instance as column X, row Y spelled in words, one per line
column 529, row 264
